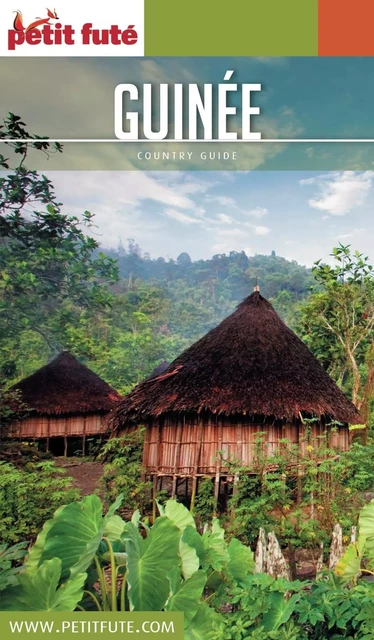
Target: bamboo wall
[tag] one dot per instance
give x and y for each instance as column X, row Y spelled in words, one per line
column 56, row 426
column 190, row 448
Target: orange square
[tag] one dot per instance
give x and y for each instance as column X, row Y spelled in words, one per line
column 346, row 28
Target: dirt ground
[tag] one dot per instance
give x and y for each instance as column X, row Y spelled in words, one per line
column 86, row 475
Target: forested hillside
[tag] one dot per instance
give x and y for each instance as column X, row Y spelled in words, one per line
column 157, row 308
column 122, row 312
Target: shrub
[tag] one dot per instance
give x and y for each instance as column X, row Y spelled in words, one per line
column 122, row 459
column 29, row 496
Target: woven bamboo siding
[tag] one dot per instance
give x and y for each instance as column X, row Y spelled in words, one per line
column 58, row 426
column 192, row 447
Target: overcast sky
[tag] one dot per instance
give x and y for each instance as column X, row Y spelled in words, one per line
column 299, row 215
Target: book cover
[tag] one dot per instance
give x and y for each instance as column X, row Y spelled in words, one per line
column 187, row 320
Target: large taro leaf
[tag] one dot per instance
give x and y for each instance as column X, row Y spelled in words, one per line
column 36, row 551
column 366, row 527
column 113, row 527
column 216, row 553
column 188, row 596
column 178, row 514
column 205, row 625
column 75, row 535
column 148, row 563
column 280, row 610
column 240, row 562
column 190, row 559
column 193, row 539
column 349, row 565
column 114, row 506
column 39, row 591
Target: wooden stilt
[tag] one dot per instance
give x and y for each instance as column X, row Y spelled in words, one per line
column 218, row 471
column 176, row 461
column 186, row 489
column 48, row 434
column 196, row 468
column 154, row 497
column 84, row 437
column 193, row 493
column 65, row 446
column 216, row 492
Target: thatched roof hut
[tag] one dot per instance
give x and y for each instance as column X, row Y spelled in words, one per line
column 251, row 373
column 64, row 398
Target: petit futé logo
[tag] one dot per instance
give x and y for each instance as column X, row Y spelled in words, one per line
column 50, row 31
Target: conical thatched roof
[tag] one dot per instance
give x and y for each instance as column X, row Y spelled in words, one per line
column 66, row 386
column 251, row 363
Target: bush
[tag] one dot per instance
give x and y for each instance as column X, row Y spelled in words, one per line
column 29, row 496
column 123, row 469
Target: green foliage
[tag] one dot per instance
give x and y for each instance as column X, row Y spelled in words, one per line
column 337, row 322
column 145, row 569
column 45, row 256
column 204, row 501
column 9, row 558
column 324, row 609
column 122, row 470
column 11, row 409
column 28, row 496
column 41, row 590
column 332, row 490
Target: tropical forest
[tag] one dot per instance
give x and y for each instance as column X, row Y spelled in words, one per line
column 278, row 544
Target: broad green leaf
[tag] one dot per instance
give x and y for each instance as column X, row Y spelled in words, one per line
column 35, row 554
column 193, row 539
column 190, row 560
column 240, row 560
column 75, row 535
column 38, row 590
column 179, row 514
column 114, row 527
column 187, row 599
column 366, row 526
column 349, row 565
column 148, row 563
column 205, row 625
column 217, row 529
column 136, row 517
column 113, row 507
column 174, row 577
column 280, row 610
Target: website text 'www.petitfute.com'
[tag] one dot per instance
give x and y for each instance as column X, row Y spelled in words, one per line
column 91, row 626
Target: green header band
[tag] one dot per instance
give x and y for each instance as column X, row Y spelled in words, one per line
column 235, row 28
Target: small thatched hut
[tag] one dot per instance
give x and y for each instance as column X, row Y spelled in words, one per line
column 249, row 374
column 65, row 399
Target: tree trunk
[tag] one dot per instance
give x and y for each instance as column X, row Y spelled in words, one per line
column 356, row 377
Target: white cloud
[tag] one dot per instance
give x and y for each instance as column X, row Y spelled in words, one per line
column 182, row 217
column 258, row 229
column 223, row 200
column 224, row 219
column 340, row 193
column 258, row 212
column 261, row 231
